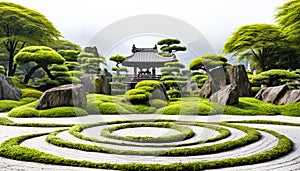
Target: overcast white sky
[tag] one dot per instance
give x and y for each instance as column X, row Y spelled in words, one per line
column 80, row 20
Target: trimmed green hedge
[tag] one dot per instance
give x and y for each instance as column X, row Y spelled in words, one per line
column 185, row 133
column 137, row 96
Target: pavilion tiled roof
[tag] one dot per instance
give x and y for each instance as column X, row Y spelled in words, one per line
column 147, row 57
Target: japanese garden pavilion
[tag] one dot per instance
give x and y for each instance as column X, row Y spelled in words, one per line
column 146, row 60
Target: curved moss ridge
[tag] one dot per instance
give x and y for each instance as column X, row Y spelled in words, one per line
column 12, row 149
column 29, row 110
column 224, row 133
column 185, row 133
column 7, row 122
column 251, row 137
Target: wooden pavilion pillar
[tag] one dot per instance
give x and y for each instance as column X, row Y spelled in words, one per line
column 153, row 72
column 135, row 71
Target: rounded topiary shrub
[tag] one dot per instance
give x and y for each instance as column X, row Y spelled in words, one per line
column 147, row 88
column 174, row 93
column 150, row 83
column 137, row 96
column 31, row 93
column 274, row 77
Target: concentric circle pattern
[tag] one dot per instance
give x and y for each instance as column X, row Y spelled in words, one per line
column 233, row 145
column 183, row 132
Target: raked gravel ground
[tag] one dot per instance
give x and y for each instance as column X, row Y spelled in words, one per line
column 289, row 162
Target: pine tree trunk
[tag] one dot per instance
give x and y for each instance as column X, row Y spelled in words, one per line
column 29, row 74
column 48, row 72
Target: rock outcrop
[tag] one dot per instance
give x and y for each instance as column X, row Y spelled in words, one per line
column 159, row 93
column 8, row 91
column 228, row 95
column 222, row 76
column 237, row 76
column 290, row 96
column 279, row 95
column 65, row 95
column 102, row 85
column 216, row 80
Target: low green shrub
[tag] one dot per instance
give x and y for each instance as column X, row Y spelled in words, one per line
column 31, row 93
column 146, row 88
column 137, row 96
column 174, row 93
column 56, row 67
column 274, row 77
column 187, row 107
column 175, row 83
column 173, row 77
column 150, row 83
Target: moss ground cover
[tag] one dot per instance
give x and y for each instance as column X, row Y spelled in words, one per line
column 28, row 110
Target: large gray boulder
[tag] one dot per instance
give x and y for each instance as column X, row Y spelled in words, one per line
column 102, row 85
column 279, row 95
column 216, row 80
column 65, row 95
column 271, row 94
column 237, row 76
column 290, row 96
column 159, row 93
column 8, row 91
column 221, row 76
column 87, row 82
column 228, row 95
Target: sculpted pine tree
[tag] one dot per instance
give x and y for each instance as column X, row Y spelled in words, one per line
column 169, row 45
column 255, row 42
column 41, row 55
column 20, row 27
